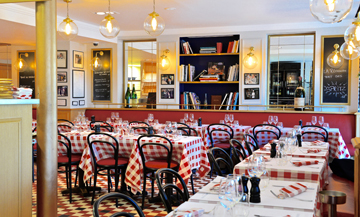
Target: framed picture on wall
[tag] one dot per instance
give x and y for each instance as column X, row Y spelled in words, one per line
column 75, row 103
column 61, row 102
column 61, row 58
column 167, row 79
column 81, row 102
column 167, row 93
column 78, row 59
column 78, row 83
column 62, row 91
column 251, row 93
column 251, row 78
column 61, row 77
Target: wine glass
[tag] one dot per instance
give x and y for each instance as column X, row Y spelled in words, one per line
column 256, row 165
column 191, row 117
column 321, row 120
column 227, row 118
column 313, row 120
column 113, row 116
column 117, row 116
column 276, row 119
column 231, row 118
column 186, row 117
column 270, row 119
column 173, row 127
column 151, row 118
column 167, row 127
column 227, row 192
column 222, row 122
column 108, row 120
column 265, row 179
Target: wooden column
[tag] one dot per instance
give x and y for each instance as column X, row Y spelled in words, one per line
column 356, row 143
column 47, row 110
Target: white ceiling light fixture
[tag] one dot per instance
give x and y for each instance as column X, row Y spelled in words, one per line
column 109, row 27
column 154, row 25
column 68, row 29
column 330, row 11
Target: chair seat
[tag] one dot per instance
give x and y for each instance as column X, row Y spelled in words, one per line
column 111, row 161
column 223, row 145
column 157, row 164
column 65, row 159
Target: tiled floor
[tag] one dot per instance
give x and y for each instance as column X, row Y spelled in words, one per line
column 81, row 206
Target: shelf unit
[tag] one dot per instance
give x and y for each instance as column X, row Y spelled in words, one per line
column 200, row 61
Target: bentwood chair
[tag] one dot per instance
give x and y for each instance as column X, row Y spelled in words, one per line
column 311, row 130
column 64, row 128
column 237, row 150
column 188, row 131
column 64, row 120
column 165, row 190
column 251, row 144
column 153, row 163
column 68, row 161
column 220, row 161
column 114, row 162
column 103, row 125
column 266, row 128
column 123, row 198
column 139, row 123
column 220, row 129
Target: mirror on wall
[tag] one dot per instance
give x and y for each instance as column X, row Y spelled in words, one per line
column 5, row 60
column 290, row 57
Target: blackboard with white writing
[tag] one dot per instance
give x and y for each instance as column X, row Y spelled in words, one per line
column 335, row 81
column 102, row 77
column 27, row 75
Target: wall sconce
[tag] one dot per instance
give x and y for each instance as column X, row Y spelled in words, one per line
column 348, row 50
column 330, row 11
column 250, row 61
column 68, row 29
column 21, row 64
column 164, row 61
column 96, row 62
column 335, row 60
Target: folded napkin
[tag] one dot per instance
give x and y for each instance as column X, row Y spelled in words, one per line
column 292, row 190
column 302, row 163
column 313, row 150
column 318, row 142
column 195, row 212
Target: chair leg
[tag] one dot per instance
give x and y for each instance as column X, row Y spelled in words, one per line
column 93, row 196
column 192, row 183
column 67, row 178
column 152, row 184
column 70, row 188
column 144, row 190
column 76, row 174
column 109, row 180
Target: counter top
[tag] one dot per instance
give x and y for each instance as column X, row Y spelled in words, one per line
column 19, row 101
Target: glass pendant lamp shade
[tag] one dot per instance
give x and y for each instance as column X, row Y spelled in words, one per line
column 109, row 27
column 330, row 11
column 154, row 25
column 21, row 64
column 164, row 61
column 96, row 63
column 348, row 51
column 353, row 33
column 68, row 29
column 250, row 61
column 335, row 60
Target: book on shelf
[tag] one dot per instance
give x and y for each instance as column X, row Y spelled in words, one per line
column 209, row 78
column 236, row 100
column 190, row 100
column 223, row 101
column 187, row 72
column 185, row 47
column 216, row 100
column 207, row 49
column 229, row 100
column 233, row 73
column 233, row 46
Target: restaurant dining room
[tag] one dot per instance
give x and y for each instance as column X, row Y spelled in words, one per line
column 180, row 108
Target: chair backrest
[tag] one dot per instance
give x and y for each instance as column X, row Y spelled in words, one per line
column 141, row 130
column 311, row 129
column 224, row 128
column 116, row 195
column 103, row 125
column 237, row 150
column 217, row 157
column 64, row 120
column 266, row 128
column 163, row 188
column 139, row 122
column 107, row 140
column 65, row 142
column 64, row 128
column 250, row 144
column 188, row 131
column 168, row 148
column 180, row 124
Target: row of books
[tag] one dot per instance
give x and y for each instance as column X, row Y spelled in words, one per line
column 233, row 46
column 185, row 47
column 187, row 72
column 207, row 49
column 190, row 100
column 230, row 101
column 209, row 78
column 233, row 73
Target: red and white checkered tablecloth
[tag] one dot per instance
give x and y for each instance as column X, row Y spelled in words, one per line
column 337, row 144
column 190, row 152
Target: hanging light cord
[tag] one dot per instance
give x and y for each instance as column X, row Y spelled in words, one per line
column 109, row 6
column 67, row 9
column 154, row 5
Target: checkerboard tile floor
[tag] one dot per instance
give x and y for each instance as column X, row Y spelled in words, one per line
column 81, row 206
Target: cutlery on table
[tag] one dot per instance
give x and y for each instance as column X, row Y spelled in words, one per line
column 304, row 200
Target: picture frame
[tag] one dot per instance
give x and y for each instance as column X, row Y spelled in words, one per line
column 61, row 57
column 81, row 102
column 62, row 90
column 251, row 93
column 251, row 78
column 78, row 59
column 167, row 79
column 62, row 102
column 75, row 103
column 78, row 83
column 62, row 77
column 167, row 93
column 335, row 83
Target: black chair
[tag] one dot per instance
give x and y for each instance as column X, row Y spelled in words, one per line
column 266, row 128
column 139, row 122
column 220, row 160
column 250, row 144
column 151, row 165
column 117, row 196
column 68, row 161
column 319, row 131
column 214, row 128
column 103, row 125
column 64, row 120
column 237, row 150
column 165, row 190
column 188, row 131
column 115, row 162
column 63, row 128
column 141, row 130
column 33, row 143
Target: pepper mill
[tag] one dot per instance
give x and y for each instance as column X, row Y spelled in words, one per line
column 300, row 123
column 93, row 118
column 273, row 150
column 151, row 130
column 97, row 128
column 299, row 139
column 244, row 180
column 199, row 122
column 255, row 190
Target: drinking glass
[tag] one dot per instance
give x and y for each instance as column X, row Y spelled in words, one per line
column 270, row 119
column 186, row 117
column 236, row 123
column 173, row 127
column 146, row 121
column 308, row 123
column 156, row 121
column 313, row 120
column 231, row 118
column 151, row 117
column 119, row 121
column 326, row 126
column 227, row 118
column 117, row 115
column 112, row 116
column 191, row 117
column 265, row 179
column 276, row 119
column 321, row 120
column 280, row 124
column 181, row 120
column 222, row 122
column 256, row 165
column 167, row 127
column 227, row 192
column 108, row 120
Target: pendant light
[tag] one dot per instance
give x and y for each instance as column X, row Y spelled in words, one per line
column 21, row 64
column 154, row 25
column 353, row 32
column 68, row 29
column 250, row 61
column 96, row 62
column 109, row 27
column 335, row 60
column 349, row 51
column 330, row 11
column 164, row 61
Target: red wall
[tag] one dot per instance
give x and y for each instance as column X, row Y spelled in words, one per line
column 345, row 122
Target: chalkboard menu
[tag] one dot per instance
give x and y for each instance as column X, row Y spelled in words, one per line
column 27, row 76
column 102, row 77
column 334, row 81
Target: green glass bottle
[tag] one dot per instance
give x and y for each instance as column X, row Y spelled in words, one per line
column 127, row 97
column 133, row 96
column 205, row 102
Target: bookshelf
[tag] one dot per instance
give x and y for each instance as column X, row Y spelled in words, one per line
column 201, row 61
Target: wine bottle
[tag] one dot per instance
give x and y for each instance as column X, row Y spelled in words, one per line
column 205, row 102
column 127, row 97
column 133, row 96
column 299, row 97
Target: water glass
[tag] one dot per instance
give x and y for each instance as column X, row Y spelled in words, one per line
column 227, row 118
column 270, row 119
column 236, row 123
column 265, row 122
column 280, row 125
column 150, row 117
column 117, row 115
column 108, row 120
column 222, row 122
column 191, row 117
column 276, row 119
column 321, row 120
column 182, row 121
column 308, row 123
column 313, row 120
column 186, row 117
column 231, row 118
column 265, row 179
column 256, row 165
column 156, row 122
column 326, row 126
